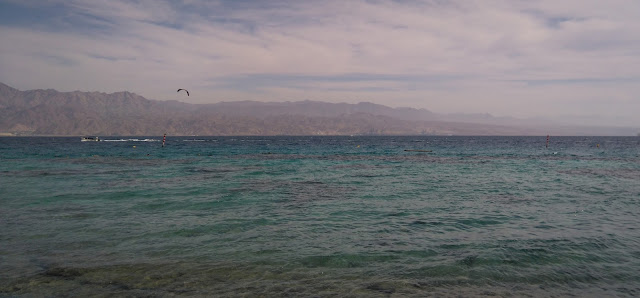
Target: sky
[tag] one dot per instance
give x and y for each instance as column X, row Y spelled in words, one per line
column 577, row 60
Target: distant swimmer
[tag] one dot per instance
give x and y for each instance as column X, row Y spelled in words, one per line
column 185, row 90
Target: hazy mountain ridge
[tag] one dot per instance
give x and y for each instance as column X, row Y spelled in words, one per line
column 49, row 112
column 312, row 109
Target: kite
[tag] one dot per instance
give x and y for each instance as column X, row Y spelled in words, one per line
column 185, row 90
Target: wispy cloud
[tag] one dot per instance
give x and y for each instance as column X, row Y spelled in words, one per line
column 522, row 58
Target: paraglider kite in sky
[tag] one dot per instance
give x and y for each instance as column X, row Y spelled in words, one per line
column 185, row 90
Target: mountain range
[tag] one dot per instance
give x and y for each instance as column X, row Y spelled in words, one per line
column 49, row 112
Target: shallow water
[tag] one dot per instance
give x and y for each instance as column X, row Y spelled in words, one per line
column 320, row 216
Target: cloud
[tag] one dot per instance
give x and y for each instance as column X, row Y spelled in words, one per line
column 503, row 57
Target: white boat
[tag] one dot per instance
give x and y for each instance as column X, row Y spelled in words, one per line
column 89, row 139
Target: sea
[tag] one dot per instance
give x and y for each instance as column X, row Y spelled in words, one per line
column 320, row 216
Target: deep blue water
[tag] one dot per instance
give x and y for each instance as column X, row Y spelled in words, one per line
column 320, row 216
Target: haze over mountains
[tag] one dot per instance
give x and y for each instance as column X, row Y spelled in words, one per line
column 49, row 112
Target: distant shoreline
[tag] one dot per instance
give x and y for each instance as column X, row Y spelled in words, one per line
column 274, row 136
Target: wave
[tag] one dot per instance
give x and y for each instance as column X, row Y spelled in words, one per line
column 131, row 140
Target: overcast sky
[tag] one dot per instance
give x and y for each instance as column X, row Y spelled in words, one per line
column 529, row 58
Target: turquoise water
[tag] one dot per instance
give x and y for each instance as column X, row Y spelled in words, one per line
column 320, row 216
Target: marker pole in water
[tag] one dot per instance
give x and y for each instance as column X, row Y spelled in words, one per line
column 164, row 138
column 547, row 145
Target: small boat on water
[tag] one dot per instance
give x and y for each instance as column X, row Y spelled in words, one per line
column 89, row 139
